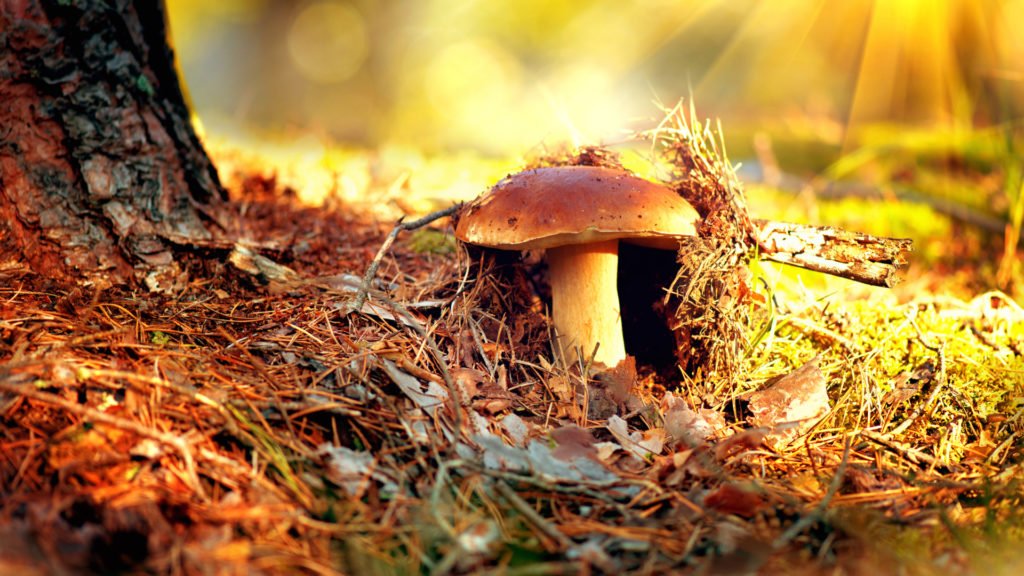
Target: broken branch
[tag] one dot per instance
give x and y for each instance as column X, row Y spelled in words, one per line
column 873, row 260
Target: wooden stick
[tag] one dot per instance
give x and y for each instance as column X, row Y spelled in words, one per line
column 873, row 260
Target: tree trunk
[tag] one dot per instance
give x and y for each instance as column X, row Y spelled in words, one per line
column 101, row 173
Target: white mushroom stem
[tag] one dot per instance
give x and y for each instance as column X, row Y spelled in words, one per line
column 585, row 301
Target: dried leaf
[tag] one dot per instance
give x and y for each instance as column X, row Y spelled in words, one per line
column 434, row 397
column 642, row 446
column 791, row 404
column 538, row 458
column 683, row 424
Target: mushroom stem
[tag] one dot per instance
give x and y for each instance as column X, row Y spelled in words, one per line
column 585, row 301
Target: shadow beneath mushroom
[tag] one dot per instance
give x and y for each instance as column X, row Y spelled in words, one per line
column 644, row 276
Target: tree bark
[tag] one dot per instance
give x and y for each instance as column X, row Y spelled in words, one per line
column 101, row 172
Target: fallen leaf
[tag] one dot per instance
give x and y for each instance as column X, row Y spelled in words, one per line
column 740, row 442
column 538, row 458
column 429, row 400
column 791, row 404
column 639, row 445
column 683, row 424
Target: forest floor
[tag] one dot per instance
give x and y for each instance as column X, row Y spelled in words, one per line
column 253, row 424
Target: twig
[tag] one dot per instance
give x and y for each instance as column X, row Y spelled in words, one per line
column 371, row 270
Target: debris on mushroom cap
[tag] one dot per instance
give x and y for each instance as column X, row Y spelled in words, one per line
column 555, row 206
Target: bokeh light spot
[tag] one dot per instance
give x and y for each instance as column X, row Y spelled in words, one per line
column 472, row 75
column 328, row 42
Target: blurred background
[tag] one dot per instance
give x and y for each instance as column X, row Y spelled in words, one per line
column 885, row 114
column 501, row 76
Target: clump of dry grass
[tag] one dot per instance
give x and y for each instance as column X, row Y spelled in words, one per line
column 716, row 307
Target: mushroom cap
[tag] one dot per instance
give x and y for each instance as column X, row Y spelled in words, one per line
column 556, row 206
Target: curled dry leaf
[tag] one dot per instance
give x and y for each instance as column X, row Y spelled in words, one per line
column 791, row 404
column 692, row 427
column 640, row 445
column 429, row 400
column 739, row 443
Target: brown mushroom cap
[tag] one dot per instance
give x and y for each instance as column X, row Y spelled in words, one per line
column 556, row 206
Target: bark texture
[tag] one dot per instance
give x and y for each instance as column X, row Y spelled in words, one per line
column 865, row 258
column 101, row 172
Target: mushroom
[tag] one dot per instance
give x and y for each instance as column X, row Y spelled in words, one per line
column 578, row 214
